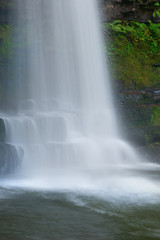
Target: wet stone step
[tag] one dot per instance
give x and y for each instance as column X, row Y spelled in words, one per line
column 2, row 130
column 10, row 158
column 30, row 130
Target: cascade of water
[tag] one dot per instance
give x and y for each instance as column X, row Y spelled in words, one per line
column 65, row 117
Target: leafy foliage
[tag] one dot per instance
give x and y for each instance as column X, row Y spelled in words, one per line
column 133, row 49
column 155, row 118
column 157, row 10
column 5, row 46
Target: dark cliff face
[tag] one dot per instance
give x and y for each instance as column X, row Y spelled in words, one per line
column 5, row 10
column 140, row 10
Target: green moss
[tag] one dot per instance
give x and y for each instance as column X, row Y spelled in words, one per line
column 5, row 4
column 6, row 43
column 156, row 144
column 133, row 49
column 155, row 118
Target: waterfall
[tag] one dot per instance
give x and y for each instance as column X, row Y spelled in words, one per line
column 63, row 117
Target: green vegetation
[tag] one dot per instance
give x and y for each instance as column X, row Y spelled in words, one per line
column 134, row 51
column 157, row 11
column 8, row 42
column 5, row 56
column 155, row 118
column 5, row 41
column 6, row 4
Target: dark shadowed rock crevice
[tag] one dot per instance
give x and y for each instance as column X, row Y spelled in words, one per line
column 140, row 10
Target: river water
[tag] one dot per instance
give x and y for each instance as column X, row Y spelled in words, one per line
column 38, row 210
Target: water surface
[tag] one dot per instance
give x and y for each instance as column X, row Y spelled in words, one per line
column 114, row 213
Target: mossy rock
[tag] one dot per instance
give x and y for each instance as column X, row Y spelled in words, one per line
column 6, row 4
column 151, row 152
column 133, row 49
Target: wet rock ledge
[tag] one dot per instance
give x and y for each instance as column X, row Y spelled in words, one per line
column 140, row 115
column 9, row 154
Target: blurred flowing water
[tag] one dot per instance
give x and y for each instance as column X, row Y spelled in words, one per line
column 63, row 118
column 76, row 177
